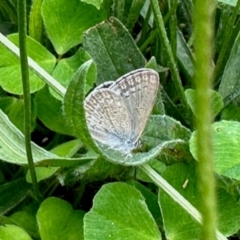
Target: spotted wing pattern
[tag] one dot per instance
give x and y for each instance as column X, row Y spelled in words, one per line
column 138, row 90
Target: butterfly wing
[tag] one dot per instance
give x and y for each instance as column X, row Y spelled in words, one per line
column 138, row 89
column 107, row 117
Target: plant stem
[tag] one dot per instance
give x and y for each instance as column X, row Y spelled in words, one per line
column 26, row 93
column 203, row 44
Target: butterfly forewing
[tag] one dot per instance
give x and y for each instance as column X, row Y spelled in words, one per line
column 139, row 90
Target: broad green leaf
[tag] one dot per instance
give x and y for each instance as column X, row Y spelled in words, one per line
column 178, row 224
column 67, row 149
column 42, row 173
column 10, row 74
column 16, row 114
column 67, row 67
column 216, row 101
column 170, row 135
column 151, row 200
column 49, row 111
column 228, row 213
column 119, row 212
column 74, row 98
column 164, row 128
column 12, row 149
column 14, row 109
column 12, row 232
column 65, row 23
column 57, row 220
column 111, row 41
column 27, row 221
column 96, row 3
column 35, row 24
column 226, row 142
column 231, row 76
column 6, row 103
column 12, row 193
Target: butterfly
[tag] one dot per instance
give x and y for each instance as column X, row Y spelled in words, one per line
column 117, row 111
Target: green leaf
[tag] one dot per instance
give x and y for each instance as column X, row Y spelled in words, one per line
column 74, row 99
column 229, row 2
column 185, row 57
column 11, row 232
column 12, row 149
column 49, row 111
column 231, row 112
column 42, row 173
column 6, row 103
column 228, row 213
column 67, row 67
column 10, row 74
column 65, row 23
column 96, row 3
column 216, row 100
column 151, row 200
column 119, row 212
column 27, row 221
column 102, row 170
column 178, row 224
column 226, row 142
column 67, row 149
column 13, row 193
column 111, row 41
column 168, row 133
column 57, row 220
column 165, row 128
column 16, row 114
column 35, row 24
column 14, row 108
column 231, row 75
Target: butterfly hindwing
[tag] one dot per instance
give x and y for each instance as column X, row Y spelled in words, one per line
column 107, row 117
column 139, row 90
